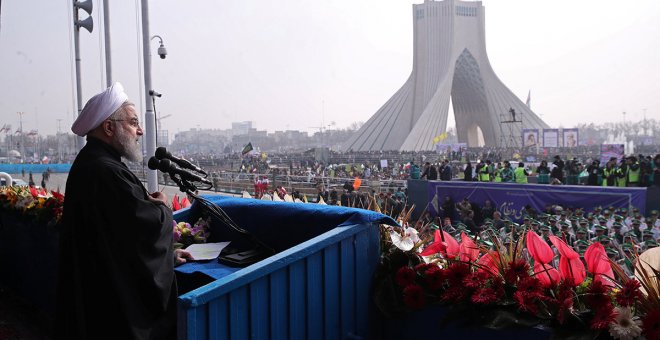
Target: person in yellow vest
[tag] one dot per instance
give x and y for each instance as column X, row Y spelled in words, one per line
column 484, row 173
column 620, row 173
column 520, row 174
column 498, row 173
column 633, row 172
column 609, row 173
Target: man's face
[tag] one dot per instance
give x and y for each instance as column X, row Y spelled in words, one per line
column 127, row 135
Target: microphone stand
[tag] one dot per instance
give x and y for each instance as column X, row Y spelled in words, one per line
column 260, row 252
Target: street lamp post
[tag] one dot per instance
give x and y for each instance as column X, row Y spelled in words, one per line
column 149, row 116
column 88, row 24
column 20, row 122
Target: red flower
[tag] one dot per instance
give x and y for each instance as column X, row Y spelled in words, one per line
column 564, row 307
column 484, row 296
column 434, row 277
column 538, row 248
column 498, row 286
column 526, row 302
column 603, row 317
column 454, row 294
column 405, row 276
column 423, row 267
column 517, row 269
column 651, row 324
column 413, row 297
column 530, row 286
column 629, row 293
column 456, row 273
column 475, row 280
column 597, row 296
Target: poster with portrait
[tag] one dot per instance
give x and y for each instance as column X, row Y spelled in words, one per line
column 550, row 138
column 530, row 138
column 571, row 139
column 608, row 151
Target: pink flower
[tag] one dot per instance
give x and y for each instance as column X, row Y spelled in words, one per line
column 570, row 265
column 490, row 263
column 468, row 249
column 599, row 264
column 547, row 275
column 449, row 247
column 538, row 248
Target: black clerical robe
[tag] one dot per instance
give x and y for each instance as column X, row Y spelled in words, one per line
column 116, row 257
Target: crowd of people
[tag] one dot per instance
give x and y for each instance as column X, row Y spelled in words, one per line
column 631, row 171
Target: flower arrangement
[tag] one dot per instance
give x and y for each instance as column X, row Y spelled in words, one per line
column 185, row 234
column 39, row 205
column 487, row 283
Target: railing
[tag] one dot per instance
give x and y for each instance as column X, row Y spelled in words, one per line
column 237, row 182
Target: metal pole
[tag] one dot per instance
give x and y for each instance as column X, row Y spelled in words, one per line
column 149, row 124
column 20, row 120
column 80, row 141
column 106, row 30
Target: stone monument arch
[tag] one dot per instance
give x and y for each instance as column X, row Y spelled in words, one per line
column 449, row 60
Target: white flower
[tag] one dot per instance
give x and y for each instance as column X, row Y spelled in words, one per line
column 625, row 327
column 407, row 241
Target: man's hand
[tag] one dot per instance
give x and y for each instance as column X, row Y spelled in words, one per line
column 181, row 256
column 158, row 197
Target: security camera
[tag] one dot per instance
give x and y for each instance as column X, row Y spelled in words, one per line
column 153, row 93
column 162, row 51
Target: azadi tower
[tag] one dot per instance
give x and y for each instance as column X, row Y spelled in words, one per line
column 449, row 60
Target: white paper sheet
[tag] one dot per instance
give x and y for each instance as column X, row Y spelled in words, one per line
column 206, row 251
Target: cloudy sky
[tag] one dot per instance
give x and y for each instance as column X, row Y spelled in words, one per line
column 294, row 64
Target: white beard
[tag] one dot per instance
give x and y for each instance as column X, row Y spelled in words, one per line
column 128, row 147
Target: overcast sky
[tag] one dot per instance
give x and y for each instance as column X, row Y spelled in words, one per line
column 293, row 64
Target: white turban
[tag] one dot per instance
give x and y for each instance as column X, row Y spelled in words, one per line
column 99, row 108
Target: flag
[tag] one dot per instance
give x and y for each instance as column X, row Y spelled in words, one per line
column 440, row 137
column 185, row 203
column 434, row 203
column 175, row 203
column 247, row 148
column 529, row 99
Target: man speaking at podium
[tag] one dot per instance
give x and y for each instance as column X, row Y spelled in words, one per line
column 116, row 277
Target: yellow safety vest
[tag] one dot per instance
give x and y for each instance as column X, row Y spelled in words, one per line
column 519, row 175
column 633, row 175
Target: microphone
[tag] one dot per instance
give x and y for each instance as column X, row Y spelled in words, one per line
column 165, row 165
column 153, row 163
column 162, row 153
